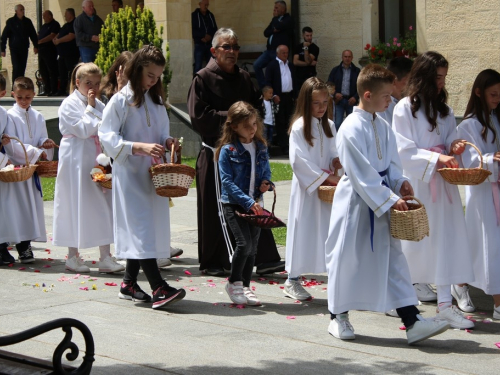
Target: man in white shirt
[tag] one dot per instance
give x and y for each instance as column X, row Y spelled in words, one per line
column 279, row 75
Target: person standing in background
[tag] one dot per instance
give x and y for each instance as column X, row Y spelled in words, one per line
column 305, row 58
column 47, row 53
column 87, row 29
column 203, row 26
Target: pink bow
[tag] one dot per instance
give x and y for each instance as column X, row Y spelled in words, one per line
column 440, row 149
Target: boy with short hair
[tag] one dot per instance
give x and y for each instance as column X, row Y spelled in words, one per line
column 400, row 67
column 23, row 200
column 366, row 267
column 5, row 257
column 269, row 109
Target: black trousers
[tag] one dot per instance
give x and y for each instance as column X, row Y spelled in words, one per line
column 283, row 119
column 19, row 58
column 150, row 268
column 66, row 64
column 47, row 61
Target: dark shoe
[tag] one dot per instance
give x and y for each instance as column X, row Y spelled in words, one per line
column 133, row 292
column 271, row 267
column 167, row 295
column 215, row 271
column 5, row 257
column 26, row 256
column 53, row 93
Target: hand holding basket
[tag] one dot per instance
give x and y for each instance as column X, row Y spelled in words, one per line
column 326, row 192
column 21, row 174
column 266, row 220
column 411, row 225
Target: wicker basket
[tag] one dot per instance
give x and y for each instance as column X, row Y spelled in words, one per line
column 411, row 225
column 466, row 176
column 267, row 220
column 22, row 174
column 106, row 184
column 47, row 168
column 326, row 193
column 172, row 180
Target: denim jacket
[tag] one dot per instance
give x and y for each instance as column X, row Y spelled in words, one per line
column 234, row 171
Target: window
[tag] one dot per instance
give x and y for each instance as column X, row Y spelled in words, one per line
column 395, row 17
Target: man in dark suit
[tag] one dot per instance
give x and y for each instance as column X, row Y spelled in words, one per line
column 344, row 76
column 279, row 75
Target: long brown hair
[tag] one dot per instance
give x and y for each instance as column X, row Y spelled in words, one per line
column 148, row 54
column 478, row 106
column 303, row 109
column 422, row 88
column 109, row 83
column 238, row 113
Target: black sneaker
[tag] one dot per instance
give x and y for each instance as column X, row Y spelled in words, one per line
column 271, row 267
column 215, row 271
column 5, row 257
column 165, row 295
column 26, row 256
column 133, row 292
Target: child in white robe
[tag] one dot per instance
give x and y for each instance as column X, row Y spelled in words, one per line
column 83, row 215
column 481, row 127
column 134, row 132
column 5, row 257
column 21, row 214
column 425, row 130
column 313, row 157
column 366, row 267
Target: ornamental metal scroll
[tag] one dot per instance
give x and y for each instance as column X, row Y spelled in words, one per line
column 66, row 344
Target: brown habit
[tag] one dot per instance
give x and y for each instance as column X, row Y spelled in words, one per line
column 211, row 94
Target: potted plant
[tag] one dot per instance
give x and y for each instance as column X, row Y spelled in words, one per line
column 381, row 52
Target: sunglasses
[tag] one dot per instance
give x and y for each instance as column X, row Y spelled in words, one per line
column 228, row 47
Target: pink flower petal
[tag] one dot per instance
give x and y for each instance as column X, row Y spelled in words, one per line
column 402, row 328
column 297, row 301
column 22, row 268
column 262, row 279
column 86, row 288
column 11, row 265
column 282, row 287
column 47, row 266
column 86, row 277
column 253, row 288
column 110, row 284
column 468, row 330
column 187, row 272
column 36, row 271
column 209, row 280
column 94, row 262
column 497, row 344
column 290, row 317
column 47, row 251
column 240, row 306
column 486, row 321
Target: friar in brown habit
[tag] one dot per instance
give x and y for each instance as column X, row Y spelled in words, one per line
column 213, row 90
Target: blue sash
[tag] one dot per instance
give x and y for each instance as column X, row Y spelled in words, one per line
column 38, row 185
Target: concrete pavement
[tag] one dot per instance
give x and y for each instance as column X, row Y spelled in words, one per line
column 204, row 335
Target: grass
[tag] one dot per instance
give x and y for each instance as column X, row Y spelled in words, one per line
column 280, row 236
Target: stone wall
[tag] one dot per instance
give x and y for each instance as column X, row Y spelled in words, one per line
column 467, row 34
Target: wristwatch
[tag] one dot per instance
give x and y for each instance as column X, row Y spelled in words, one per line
column 305, row 48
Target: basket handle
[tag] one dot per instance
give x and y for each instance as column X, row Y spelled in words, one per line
column 412, row 198
column 24, row 149
column 479, row 152
column 274, row 200
column 172, row 153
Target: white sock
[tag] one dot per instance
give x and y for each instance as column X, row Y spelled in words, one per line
column 105, row 251
column 444, row 296
column 72, row 252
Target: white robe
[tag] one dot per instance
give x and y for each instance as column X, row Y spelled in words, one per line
column 388, row 113
column 21, row 211
column 141, row 218
column 308, row 216
column 480, row 214
column 444, row 257
column 83, row 215
column 360, row 278
column 4, row 119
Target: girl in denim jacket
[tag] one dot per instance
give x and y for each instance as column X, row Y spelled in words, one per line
column 245, row 174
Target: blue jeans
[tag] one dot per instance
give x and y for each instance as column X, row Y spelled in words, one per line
column 246, row 236
column 259, row 64
column 340, row 108
column 201, row 52
column 269, row 134
column 88, row 54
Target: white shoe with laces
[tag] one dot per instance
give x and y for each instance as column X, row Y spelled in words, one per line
column 392, row 313
column 163, row 262
column 295, row 290
column 461, row 294
column 235, row 292
column 455, row 318
column 425, row 293
column 109, row 265
column 250, row 296
column 425, row 328
column 341, row 328
column 76, row 264
column 175, row 252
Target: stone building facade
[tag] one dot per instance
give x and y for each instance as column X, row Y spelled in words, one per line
column 465, row 32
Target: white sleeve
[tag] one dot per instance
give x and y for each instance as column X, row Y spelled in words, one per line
column 73, row 121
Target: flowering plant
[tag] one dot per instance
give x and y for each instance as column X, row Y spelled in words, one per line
column 406, row 46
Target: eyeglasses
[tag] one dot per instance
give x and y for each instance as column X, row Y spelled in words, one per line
column 228, row 47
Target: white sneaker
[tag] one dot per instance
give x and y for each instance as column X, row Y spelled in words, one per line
column 175, row 252
column 76, row 264
column 294, row 290
column 109, row 265
column 250, row 296
column 235, row 292
column 341, row 328
column 461, row 294
column 423, row 329
column 392, row 313
column 455, row 318
column 425, row 293
column 163, row 262
column 496, row 312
